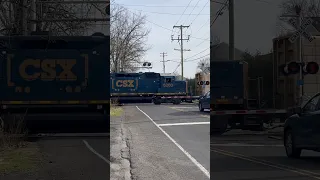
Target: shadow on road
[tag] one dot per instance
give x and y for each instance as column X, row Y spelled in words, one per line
column 65, row 126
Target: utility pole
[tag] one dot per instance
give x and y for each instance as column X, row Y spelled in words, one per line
column 298, row 12
column 180, row 38
column 163, row 54
column 231, row 30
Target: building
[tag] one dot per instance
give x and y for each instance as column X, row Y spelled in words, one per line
column 221, row 52
column 286, row 91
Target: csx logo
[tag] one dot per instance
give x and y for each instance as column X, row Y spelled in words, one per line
column 125, row 83
column 47, row 69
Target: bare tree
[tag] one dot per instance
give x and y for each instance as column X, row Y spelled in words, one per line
column 309, row 8
column 204, row 65
column 128, row 36
column 57, row 17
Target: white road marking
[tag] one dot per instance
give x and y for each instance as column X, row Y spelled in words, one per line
column 95, row 152
column 207, row 173
column 246, row 145
column 181, row 124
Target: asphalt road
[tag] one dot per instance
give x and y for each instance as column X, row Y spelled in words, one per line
column 257, row 157
column 68, row 151
column 184, row 128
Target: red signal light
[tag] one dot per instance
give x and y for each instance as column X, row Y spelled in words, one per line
column 312, row 68
column 293, row 68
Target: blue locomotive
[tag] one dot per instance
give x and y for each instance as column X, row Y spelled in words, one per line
column 147, row 86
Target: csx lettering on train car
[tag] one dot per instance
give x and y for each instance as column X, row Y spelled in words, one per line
column 47, row 69
column 125, row 83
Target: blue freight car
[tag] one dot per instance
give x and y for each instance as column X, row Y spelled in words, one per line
column 148, row 86
column 229, row 84
column 42, row 75
column 230, row 102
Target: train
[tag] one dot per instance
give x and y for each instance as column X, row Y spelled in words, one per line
column 54, row 77
column 236, row 99
column 148, row 87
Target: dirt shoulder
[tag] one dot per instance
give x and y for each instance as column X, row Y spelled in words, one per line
column 26, row 159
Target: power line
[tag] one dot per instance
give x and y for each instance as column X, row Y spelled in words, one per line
column 203, row 26
column 198, row 58
column 219, row 13
column 216, row 17
column 218, row 2
column 197, row 53
column 169, row 6
column 191, row 12
column 199, row 13
column 183, row 12
column 168, row 13
column 174, row 60
column 177, row 68
column 203, row 42
column 162, row 26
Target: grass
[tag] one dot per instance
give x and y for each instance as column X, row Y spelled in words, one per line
column 16, row 155
column 13, row 133
column 114, row 110
column 19, row 159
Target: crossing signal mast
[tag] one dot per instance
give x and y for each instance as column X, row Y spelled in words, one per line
column 295, row 67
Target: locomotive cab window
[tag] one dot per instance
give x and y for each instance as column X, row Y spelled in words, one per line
column 168, row 80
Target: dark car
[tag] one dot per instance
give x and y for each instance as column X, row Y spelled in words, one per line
column 204, row 102
column 302, row 129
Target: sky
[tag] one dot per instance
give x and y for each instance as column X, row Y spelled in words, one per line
column 161, row 17
column 256, row 24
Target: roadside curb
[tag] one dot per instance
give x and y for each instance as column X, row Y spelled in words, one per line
column 120, row 151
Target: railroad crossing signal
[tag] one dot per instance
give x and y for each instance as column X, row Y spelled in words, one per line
column 201, row 83
column 301, row 30
column 147, row 64
column 311, row 68
column 294, row 68
column 316, row 23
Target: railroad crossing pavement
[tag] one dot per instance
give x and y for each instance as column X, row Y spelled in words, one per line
column 238, row 157
column 67, row 156
column 154, row 146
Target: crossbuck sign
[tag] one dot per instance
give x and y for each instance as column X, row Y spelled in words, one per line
column 301, row 30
